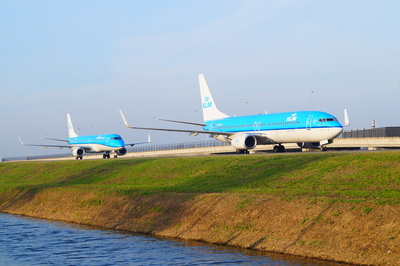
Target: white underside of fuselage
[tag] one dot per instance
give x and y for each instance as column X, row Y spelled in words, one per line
column 96, row 148
column 302, row 135
column 290, row 135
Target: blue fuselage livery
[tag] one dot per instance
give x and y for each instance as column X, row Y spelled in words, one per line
column 273, row 122
column 98, row 143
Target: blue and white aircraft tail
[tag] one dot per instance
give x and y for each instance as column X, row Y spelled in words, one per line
column 71, row 131
column 79, row 145
column 210, row 110
column 309, row 129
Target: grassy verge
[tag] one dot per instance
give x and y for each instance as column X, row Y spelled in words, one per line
column 336, row 176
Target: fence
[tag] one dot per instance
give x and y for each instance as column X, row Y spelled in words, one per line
column 178, row 146
column 383, row 132
column 138, row 148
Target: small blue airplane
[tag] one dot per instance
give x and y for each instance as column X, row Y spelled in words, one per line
column 80, row 145
column 309, row 129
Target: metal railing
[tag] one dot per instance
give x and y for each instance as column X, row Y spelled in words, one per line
column 384, row 132
column 138, row 148
column 178, row 146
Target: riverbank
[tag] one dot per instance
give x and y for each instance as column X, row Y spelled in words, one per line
column 340, row 206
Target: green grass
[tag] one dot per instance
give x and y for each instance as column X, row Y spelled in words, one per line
column 335, row 176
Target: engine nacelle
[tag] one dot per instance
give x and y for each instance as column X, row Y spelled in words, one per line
column 77, row 151
column 244, row 142
column 309, row 145
column 121, row 152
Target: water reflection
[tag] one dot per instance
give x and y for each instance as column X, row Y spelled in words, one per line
column 29, row 241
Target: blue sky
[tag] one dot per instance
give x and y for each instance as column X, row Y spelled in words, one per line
column 91, row 58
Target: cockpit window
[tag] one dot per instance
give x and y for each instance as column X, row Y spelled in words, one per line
column 115, row 138
column 330, row 119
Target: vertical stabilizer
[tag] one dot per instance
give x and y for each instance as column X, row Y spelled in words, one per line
column 71, row 131
column 210, row 110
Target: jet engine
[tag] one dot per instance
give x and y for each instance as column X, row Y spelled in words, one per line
column 309, row 145
column 315, row 145
column 121, row 152
column 244, row 142
column 77, row 151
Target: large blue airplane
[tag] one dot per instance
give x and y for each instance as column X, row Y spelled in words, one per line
column 309, row 129
column 80, row 145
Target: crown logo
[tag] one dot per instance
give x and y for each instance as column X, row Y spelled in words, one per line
column 206, row 98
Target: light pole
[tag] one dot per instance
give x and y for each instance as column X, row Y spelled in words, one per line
column 312, row 107
column 154, row 135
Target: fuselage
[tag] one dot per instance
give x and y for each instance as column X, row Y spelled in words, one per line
column 98, row 143
column 288, row 127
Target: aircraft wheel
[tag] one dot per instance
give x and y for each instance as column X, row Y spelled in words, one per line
column 279, row 148
column 323, row 148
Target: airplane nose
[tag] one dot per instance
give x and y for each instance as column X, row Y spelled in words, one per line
column 121, row 143
column 337, row 131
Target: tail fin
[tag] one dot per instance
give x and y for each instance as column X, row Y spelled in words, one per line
column 210, row 110
column 71, row 131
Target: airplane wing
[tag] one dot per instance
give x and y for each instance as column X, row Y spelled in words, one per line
column 63, row 140
column 183, row 122
column 192, row 132
column 45, row 145
column 132, row 144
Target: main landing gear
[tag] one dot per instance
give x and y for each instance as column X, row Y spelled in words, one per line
column 279, row 148
column 79, row 158
column 107, row 155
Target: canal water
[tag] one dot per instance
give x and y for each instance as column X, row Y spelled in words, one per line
column 30, row 241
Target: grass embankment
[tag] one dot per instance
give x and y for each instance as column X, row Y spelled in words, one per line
column 332, row 206
column 373, row 177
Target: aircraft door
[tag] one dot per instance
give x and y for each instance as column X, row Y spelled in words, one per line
column 309, row 122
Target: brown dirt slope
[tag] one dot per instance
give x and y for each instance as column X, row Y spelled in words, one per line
column 365, row 234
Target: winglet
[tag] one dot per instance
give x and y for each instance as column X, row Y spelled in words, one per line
column 123, row 118
column 20, row 140
column 346, row 118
